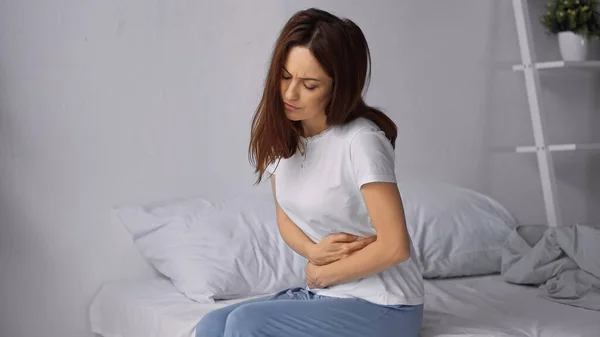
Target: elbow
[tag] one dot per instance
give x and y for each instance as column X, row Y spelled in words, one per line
column 393, row 250
column 399, row 254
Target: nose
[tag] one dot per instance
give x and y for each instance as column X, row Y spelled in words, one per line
column 291, row 91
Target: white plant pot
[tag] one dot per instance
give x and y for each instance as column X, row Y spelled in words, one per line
column 573, row 47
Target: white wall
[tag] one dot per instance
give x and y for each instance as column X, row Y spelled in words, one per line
column 111, row 102
column 104, row 103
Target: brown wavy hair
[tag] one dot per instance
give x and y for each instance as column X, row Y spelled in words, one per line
column 341, row 49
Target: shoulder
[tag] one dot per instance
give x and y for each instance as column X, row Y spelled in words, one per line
column 360, row 128
column 370, row 153
column 364, row 133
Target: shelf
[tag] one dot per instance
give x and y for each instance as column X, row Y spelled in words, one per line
column 561, row 147
column 593, row 65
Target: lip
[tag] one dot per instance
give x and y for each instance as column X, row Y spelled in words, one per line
column 288, row 106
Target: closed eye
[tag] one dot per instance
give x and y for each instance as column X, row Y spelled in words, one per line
column 285, row 77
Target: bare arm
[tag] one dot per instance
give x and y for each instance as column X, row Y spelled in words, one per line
column 392, row 246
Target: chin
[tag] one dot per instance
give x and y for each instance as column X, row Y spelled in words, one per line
column 293, row 117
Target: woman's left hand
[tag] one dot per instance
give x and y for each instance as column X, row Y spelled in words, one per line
column 313, row 276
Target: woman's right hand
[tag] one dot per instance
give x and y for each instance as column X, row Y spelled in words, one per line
column 335, row 247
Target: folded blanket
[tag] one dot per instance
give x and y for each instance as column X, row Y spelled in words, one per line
column 563, row 261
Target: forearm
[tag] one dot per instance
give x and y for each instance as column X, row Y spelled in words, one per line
column 370, row 260
column 295, row 237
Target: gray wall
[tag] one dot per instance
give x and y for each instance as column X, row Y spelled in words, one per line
column 108, row 102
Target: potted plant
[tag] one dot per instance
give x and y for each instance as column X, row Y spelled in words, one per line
column 576, row 22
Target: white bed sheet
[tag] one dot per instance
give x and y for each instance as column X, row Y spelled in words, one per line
column 477, row 306
column 146, row 308
column 488, row 306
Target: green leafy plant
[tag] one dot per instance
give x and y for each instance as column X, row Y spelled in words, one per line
column 577, row 16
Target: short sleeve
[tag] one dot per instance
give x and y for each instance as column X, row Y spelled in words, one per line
column 372, row 157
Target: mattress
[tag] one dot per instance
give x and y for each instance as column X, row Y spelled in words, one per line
column 146, row 308
column 473, row 306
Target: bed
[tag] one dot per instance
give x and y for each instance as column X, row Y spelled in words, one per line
column 468, row 306
column 469, row 247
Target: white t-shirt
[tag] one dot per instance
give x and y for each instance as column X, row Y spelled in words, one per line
column 320, row 192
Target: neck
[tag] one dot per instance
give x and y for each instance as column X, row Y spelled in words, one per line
column 314, row 126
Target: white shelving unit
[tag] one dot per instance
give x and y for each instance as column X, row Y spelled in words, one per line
column 560, row 147
column 541, row 148
column 593, row 65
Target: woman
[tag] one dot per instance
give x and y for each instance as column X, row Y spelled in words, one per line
column 331, row 164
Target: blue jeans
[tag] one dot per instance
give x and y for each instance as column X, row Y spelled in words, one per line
column 298, row 312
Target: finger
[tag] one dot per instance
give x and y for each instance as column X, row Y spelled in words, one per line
column 322, row 262
column 370, row 239
column 362, row 243
column 343, row 246
column 354, row 246
column 343, row 256
column 343, row 237
column 332, row 257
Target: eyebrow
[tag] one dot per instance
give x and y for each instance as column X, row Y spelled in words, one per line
column 302, row 78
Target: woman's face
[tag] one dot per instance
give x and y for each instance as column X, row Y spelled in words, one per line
column 305, row 87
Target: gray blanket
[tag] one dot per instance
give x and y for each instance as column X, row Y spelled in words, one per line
column 563, row 261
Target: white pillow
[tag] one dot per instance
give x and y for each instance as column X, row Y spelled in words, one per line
column 215, row 250
column 456, row 231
